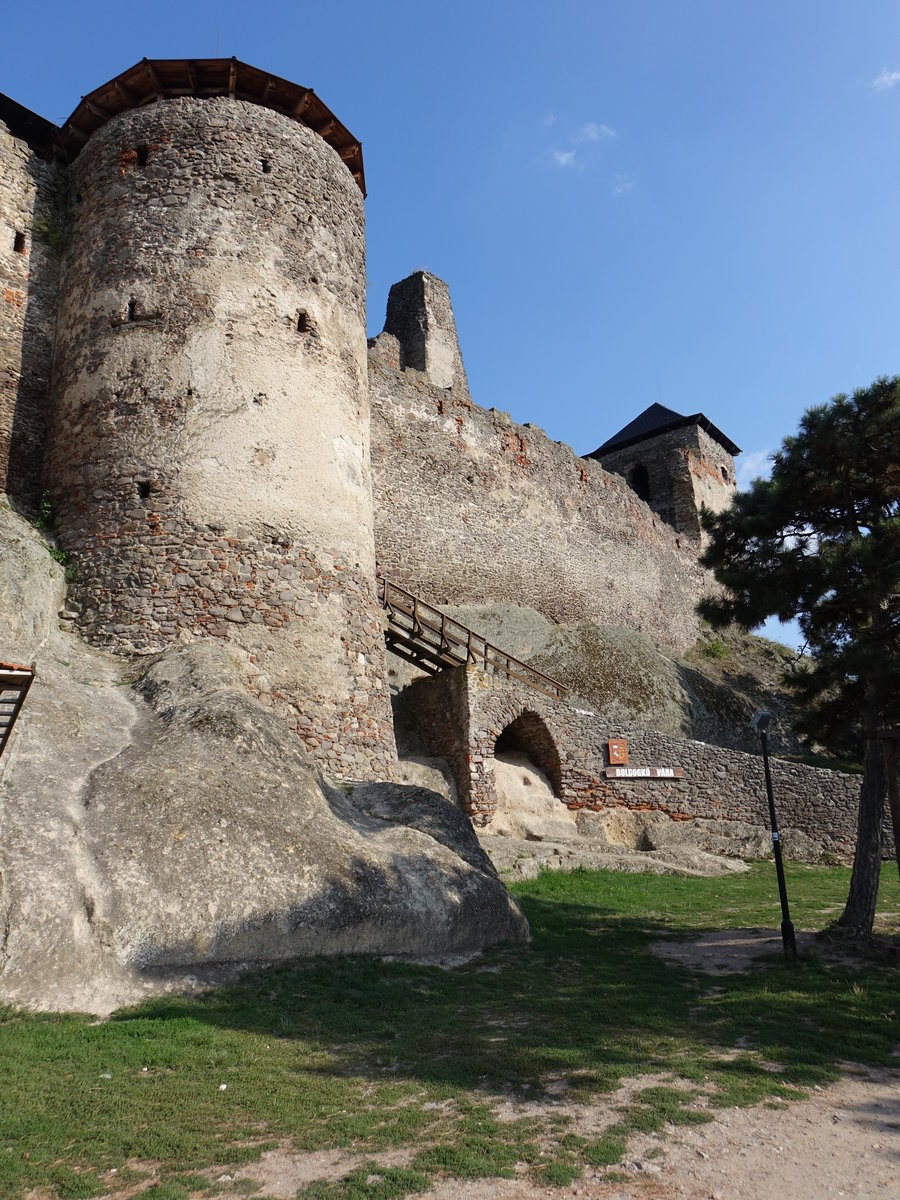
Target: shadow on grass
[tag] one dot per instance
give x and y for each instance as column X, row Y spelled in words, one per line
column 365, row 1054
column 588, row 1000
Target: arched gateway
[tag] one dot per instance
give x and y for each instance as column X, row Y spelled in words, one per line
column 529, row 735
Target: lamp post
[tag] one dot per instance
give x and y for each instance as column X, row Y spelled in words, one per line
column 760, row 724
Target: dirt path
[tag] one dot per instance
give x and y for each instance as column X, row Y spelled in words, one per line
column 843, row 1141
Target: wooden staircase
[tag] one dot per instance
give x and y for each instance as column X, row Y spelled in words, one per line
column 426, row 637
column 15, row 680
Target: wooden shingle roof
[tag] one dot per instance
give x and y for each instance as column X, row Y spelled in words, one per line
column 165, row 78
column 28, row 126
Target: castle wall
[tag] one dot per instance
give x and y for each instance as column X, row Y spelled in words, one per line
column 209, row 452
column 686, row 468
column 473, row 508
column 31, row 230
column 462, row 712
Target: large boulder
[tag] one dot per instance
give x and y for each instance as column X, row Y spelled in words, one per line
column 32, row 587
column 157, row 823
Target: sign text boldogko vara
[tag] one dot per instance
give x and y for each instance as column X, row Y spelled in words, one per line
column 643, row 772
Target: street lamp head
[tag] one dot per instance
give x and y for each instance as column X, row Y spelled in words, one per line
column 761, row 721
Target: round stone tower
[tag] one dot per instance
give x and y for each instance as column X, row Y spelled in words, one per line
column 208, row 454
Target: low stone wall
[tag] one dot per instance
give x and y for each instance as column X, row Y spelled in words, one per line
column 463, row 712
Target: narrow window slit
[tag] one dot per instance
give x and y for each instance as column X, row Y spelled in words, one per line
column 266, row 166
column 132, row 309
column 19, row 242
column 639, row 482
column 143, row 489
column 143, row 151
column 302, row 322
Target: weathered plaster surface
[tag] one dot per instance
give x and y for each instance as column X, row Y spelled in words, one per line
column 209, row 453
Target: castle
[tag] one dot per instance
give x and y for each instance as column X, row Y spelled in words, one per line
column 185, row 371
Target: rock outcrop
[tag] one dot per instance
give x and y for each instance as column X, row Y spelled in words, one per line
column 158, row 823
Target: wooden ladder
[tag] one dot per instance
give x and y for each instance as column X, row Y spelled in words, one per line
column 15, row 680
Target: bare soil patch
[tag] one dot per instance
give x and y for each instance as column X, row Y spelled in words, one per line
column 280, row 1173
column 842, row 1141
column 725, row 951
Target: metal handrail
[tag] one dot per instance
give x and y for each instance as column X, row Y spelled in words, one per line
column 458, row 641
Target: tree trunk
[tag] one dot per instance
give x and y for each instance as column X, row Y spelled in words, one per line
column 891, row 750
column 859, row 913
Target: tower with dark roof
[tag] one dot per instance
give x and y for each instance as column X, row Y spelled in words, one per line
column 674, row 463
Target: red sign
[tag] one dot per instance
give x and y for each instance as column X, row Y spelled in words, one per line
column 618, row 751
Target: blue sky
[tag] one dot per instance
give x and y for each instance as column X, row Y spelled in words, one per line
column 695, row 203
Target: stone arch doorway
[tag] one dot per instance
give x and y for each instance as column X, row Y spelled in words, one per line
column 529, row 735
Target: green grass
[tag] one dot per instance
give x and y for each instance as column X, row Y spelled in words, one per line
column 371, row 1057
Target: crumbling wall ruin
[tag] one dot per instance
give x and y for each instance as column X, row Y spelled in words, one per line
column 471, row 508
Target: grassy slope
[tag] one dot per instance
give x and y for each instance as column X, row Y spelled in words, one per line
column 370, row 1055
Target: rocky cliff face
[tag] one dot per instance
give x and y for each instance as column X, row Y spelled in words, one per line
column 157, row 823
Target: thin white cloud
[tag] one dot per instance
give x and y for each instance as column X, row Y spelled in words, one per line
column 754, row 465
column 885, row 80
column 621, row 185
column 590, row 131
column 578, row 147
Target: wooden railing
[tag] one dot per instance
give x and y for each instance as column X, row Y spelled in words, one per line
column 429, row 638
column 15, row 680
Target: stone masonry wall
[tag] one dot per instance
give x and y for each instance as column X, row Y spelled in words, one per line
column 209, row 453
column 686, row 468
column 32, row 222
column 718, row 784
column 472, row 508
column 420, row 315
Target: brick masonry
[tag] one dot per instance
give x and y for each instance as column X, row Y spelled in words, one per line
column 464, row 711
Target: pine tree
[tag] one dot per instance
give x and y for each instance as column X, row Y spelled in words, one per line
column 820, row 541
